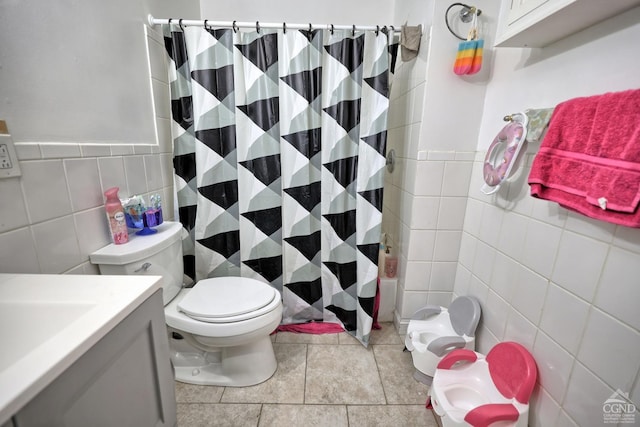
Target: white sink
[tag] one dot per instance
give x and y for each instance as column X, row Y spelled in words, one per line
column 41, row 319
column 49, row 321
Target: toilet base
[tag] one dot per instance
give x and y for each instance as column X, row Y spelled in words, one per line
column 235, row 366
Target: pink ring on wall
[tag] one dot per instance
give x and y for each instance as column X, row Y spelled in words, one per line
column 502, row 151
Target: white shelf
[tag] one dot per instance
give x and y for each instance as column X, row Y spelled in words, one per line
column 538, row 23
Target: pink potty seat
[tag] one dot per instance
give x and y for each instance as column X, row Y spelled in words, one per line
column 503, row 152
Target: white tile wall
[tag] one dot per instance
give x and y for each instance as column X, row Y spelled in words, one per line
column 519, row 329
column 543, row 410
column 112, row 175
column 56, row 245
column 585, row 395
column 429, row 176
column 416, row 275
column 426, row 192
column 468, row 245
column 54, row 216
column 60, row 151
column 45, row 189
column 135, row 174
column 18, row 252
column 610, row 348
column 505, row 276
column 618, row 291
column 529, row 294
column 447, row 245
column 490, row 224
column 83, row 180
column 451, row 213
column 541, row 245
column 421, row 243
column 12, row 210
column 512, row 233
column 495, row 313
column 554, row 365
column 483, row 262
column 563, row 285
column 424, row 213
column 442, row 276
column 564, row 317
column 579, row 264
column 455, row 181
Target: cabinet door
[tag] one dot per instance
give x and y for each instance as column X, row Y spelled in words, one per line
column 520, row 8
column 124, row 380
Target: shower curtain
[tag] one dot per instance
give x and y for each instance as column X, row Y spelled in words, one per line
column 279, row 157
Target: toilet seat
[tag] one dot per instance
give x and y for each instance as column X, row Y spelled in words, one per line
column 227, row 299
column 267, row 317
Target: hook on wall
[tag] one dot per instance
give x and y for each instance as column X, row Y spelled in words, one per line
column 466, row 15
column 391, row 160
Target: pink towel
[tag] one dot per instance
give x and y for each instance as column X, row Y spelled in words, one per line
column 589, row 160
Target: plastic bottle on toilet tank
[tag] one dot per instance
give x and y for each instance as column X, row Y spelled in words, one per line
column 115, row 216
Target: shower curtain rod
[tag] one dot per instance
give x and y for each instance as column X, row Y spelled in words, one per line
column 269, row 25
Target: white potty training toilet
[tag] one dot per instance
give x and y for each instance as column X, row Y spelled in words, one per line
column 219, row 329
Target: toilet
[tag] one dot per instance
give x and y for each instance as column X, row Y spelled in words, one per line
column 219, row 330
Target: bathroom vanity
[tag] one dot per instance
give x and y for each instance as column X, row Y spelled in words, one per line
column 84, row 351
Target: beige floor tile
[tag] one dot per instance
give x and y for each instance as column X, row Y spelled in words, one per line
column 396, row 372
column 386, row 335
column 217, row 414
column 303, row 416
column 346, row 338
column 190, row 393
column 342, row 374
column 391, row 415
column 295, row 338
column 285, row 386
column 322, row 380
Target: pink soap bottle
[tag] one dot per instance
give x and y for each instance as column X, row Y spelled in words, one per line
column 390, row 264
column 115, row 215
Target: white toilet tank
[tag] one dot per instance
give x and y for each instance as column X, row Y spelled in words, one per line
column 159, row 254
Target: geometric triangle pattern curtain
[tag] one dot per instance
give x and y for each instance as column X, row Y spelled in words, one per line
column 279, row 156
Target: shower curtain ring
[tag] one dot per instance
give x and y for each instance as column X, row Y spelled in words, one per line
column 353, row 32
column 310, row 29
column 234, row 27
column 205, row 24
column 331, row 31
column 377, row 30
column 258, row 27
column 170, row 19
column 284, row 28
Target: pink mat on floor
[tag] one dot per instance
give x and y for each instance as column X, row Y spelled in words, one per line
column 312, row 328
column 330, row 328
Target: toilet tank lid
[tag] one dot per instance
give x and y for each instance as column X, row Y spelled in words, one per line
column 138, row 247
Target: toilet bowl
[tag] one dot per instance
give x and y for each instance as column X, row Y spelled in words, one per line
column 219, row 330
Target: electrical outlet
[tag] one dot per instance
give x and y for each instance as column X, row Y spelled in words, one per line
column 9, row 166
column 5, row 163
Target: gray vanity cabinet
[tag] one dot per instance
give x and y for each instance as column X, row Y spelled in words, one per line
column 125, row 379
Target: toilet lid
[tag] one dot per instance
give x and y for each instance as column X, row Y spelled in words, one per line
column 222, row 298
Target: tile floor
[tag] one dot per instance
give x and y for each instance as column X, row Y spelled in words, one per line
column 322, row 380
